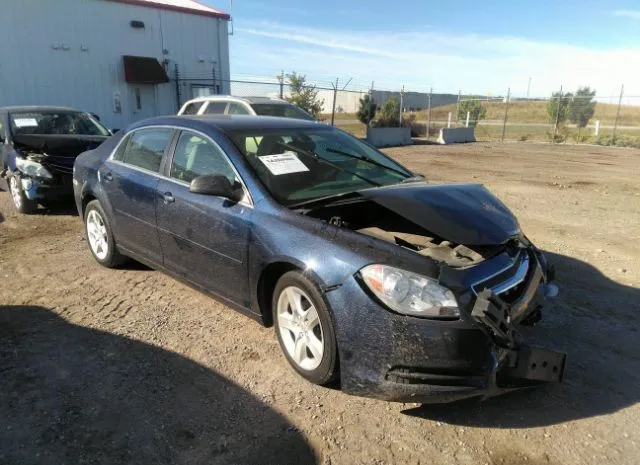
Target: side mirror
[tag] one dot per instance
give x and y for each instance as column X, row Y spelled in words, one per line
column 218, row 185
column 114, row 130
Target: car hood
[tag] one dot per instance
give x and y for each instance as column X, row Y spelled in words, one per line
column 57, row 145
column 461, row 213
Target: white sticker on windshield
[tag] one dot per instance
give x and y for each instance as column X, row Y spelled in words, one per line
column 25, row 122
column 283, row 163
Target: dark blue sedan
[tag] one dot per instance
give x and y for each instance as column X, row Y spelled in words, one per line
column 403, row 289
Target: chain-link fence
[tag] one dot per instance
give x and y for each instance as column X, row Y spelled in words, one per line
column 565, row 117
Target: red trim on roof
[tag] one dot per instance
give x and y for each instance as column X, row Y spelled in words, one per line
column 165, row 6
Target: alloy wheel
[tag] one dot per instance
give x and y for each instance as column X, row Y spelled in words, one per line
column 97, row 235
column 300, row 328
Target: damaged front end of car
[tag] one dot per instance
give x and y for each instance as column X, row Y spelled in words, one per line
column 43, row 164
column 498, row 277
column 34, row 178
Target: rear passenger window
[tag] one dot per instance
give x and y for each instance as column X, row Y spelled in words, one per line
column 145, row 148
column 193, row 108
column 216, row 108
column 237, row 109
column 122, row 146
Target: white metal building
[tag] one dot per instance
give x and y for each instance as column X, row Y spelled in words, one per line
column 115, row 58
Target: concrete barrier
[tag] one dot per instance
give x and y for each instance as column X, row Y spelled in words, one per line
column 456, row 135
column 387, row 137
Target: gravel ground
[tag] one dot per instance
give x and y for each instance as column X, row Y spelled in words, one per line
column 130, row 366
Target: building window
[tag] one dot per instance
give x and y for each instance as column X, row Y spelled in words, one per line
column 138, row 99
column 202, row 91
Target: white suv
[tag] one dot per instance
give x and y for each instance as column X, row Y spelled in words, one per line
column 228, row 105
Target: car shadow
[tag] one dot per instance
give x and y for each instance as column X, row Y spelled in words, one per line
column 61, row 207
column 595, row 321
column 71, row 394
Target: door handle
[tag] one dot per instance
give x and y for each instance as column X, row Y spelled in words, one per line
column 168, row 198
column 108, row 176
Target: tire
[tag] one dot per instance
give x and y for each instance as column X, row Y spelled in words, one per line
column 300, row 333
column 20, row 201
column 100, row 236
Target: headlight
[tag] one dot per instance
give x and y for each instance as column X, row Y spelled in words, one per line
column 410, row 293
column 32, row 168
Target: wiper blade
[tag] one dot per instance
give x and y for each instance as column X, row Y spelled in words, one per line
column 367, row 159
column 324, row 200
column 417, row 178
column 318, row 158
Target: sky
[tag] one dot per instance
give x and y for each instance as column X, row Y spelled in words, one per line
column 473, row 46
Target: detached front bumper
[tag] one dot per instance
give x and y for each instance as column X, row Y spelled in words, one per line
column 399, row 358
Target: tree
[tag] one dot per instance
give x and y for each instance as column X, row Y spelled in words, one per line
column 582, row 108
column 304, row 95
column 390, row 113
column 557, row 108
column 367, row 110
column 476, row 109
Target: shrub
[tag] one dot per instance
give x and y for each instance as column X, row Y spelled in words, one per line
column 524, row 137
column 389, row 116
column 620, row 141
column 417, row 129
column 367, row 110
column 476, row 110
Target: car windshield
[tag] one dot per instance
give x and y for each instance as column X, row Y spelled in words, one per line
column 302, row 165
column 285, row 110
column 56, row 123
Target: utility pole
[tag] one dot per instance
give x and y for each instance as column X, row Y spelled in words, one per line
column 458, row 106
column 528, row 88
column 615, row 124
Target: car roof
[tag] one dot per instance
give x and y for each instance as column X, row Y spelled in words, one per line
column 227, row 98
column 232, row 122
column 27, row 108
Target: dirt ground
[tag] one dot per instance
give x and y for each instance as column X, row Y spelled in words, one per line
column 129, row 366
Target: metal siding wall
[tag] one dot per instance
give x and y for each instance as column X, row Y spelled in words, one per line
column 32, row 72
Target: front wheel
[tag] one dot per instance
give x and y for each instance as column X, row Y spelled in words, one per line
column 20, row 201
column 304, row 328
column 100, row 236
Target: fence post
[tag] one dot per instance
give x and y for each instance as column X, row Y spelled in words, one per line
column 506, row 113
column 615, row 124
column 281, row 80
column 178, row 102
column 429, row 115
column 457, row 107
column 466, row 123
column 333, row 108
column 213, row 68
column 596, row 131
column 401, row 103
column 555, row 126
column 449, row 120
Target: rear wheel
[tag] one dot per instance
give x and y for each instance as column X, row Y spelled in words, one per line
column 305, row 329
column 20, row 201
column 100, row 236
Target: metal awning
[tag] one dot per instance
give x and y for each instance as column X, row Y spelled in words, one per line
column 144, row 70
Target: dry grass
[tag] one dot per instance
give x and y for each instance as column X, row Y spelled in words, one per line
column 536, row 112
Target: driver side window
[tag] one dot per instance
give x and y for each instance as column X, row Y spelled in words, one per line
column 196, row 156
